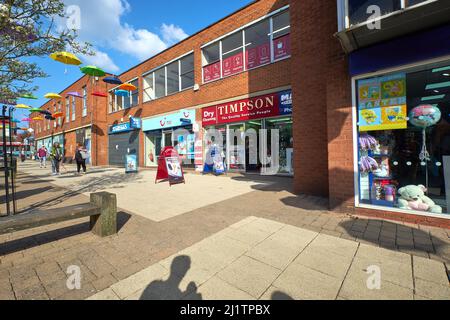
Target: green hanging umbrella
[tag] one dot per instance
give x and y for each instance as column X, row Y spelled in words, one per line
column 28, row 96
column 34, row 110
column 93, row 71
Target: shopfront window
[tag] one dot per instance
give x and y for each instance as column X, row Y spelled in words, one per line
column 257, row 44
column 286, row 143
column 187, row 71
column 173, row 78
column 404, row 139
column 149, row 88
column 134, row 97
column 266, row 40
column 160, row 83
column 232, row 56
column 211, row 62
column 281, row 36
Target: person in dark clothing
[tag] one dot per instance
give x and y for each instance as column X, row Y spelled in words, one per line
column 80, row 158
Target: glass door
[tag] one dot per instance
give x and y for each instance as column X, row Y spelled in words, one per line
column 236, row 147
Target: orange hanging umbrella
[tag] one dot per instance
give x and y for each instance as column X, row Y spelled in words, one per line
column 58, row 115
column 127, row 87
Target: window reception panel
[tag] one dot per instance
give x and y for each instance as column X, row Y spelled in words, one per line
column 404, row 139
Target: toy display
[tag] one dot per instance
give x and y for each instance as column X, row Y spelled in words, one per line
column 367, row 164
column 367, row 142
column 413, row 197
column 383, row 170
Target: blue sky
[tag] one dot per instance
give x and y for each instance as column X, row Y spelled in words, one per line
column 126, row 32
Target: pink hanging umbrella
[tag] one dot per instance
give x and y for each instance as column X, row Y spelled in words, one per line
column 27, row 119
column 74, row 94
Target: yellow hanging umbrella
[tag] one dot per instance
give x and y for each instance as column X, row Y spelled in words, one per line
column 22, row 106
column 38, row 118
column 66, row 58
column 52, row 95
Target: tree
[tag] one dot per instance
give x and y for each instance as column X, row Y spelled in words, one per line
column 28, row 29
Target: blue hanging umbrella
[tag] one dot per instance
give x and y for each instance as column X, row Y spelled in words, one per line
column 46, row 112
column 122, row 93
column 112, row 80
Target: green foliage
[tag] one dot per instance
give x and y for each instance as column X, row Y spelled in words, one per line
column 28, row 29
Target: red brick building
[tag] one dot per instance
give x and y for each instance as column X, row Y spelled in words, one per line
column 316, row 71
column 83, row 120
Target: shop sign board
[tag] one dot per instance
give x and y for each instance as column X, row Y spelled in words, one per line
column 382, row 103
column 211, row 72
column 131, row 163
column 270, row 105
column 121, row 127
column 135, row 123
column 169, row 166
column 177, row 119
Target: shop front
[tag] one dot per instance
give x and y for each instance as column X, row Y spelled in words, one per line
column 402, row 150
column 249, row 130
column 174, row 129
column 123, row 140
column 83, row 137
column 49, row 141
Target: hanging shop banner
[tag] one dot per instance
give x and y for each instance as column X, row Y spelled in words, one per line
column 382, row 103
column 233, row 64
column 282, row 47
column 271, row 105
column 258, row 56
column 169, row 166
column 211, row 72
column 177, row 119
column 186, row 146
column 135, row 123
column 131, row 163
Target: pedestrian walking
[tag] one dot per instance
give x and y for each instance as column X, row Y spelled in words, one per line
column 42, row 155
column 56, row 157
column 81, row 155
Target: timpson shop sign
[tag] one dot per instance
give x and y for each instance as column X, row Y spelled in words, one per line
column 270, row 105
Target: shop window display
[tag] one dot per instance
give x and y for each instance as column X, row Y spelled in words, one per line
column 404, row 139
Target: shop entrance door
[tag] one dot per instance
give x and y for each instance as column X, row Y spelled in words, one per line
column 167, row 138
column 236, row 147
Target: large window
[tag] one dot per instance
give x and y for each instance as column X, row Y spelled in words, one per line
column 404, row 139
column 257, row 44
column 187, row 72
column 84, row 110
column 265, row 41
column 59, row 110
column 67, row 109
column 169, row 79
column 173, row 78
column 149, row 87
column 74, row 108
column 117, row 103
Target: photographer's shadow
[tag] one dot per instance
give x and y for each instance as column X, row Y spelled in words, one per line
column 169, row 289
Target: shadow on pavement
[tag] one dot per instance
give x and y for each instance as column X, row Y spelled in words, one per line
column 38, row 239
column 168, row 289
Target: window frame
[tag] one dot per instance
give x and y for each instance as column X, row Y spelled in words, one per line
column 74, row 109
column 84, row 103
column 242, row 29
column 67, row 101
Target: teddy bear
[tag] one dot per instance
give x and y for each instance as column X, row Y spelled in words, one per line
column 413, row 198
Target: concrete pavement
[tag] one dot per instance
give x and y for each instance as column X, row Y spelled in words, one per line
column 262, row 259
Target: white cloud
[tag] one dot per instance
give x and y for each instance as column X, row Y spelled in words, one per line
column 172, row 34
column 101, row 60
column 102, row 26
